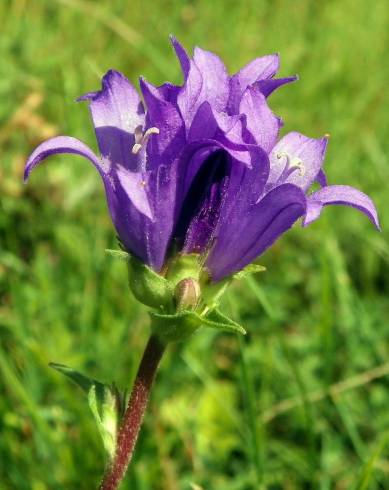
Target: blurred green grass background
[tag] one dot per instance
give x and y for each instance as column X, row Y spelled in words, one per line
column 302, row 401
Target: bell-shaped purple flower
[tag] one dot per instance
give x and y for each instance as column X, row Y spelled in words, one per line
column 199, row 168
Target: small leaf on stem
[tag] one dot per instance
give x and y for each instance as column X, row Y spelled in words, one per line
column 105, row 401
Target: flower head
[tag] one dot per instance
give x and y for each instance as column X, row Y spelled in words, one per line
column 199, row 168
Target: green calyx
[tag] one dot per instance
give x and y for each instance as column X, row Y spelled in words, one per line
column 179, row 326
column 182, row 297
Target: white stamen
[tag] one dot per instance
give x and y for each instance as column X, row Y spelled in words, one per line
column 292, row 163
column 138, row 133
column 136, row 148
column 142, row 138
column 298, row 163
column 151, row 131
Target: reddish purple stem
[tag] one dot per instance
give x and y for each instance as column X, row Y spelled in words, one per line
column 133, row 416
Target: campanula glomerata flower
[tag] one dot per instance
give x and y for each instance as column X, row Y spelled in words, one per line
column 199, row 168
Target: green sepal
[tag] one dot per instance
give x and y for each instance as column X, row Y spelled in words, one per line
column 106, row 403
column 147, row 286
column 178, row 327
column 183, row 267
column 212, row 292
column 247, row 271
column 216, row 319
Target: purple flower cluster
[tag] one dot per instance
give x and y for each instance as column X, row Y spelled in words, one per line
column 200, row 168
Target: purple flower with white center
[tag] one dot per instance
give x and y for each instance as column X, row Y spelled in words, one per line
column 200, row 168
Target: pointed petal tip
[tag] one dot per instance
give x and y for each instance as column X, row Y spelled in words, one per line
column 106, row 81
column 277, row 59
column 145, row 85
column 181, row 54
column 30, row 164
column 112, row 73
column 110, row 78
column 59, row 145
column 340, row 195
column 173, row 39
column 86, row 97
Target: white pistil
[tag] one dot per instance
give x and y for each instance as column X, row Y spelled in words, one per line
column 142, row 138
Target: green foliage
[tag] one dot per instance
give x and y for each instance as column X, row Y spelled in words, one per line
column 106, row 403
column 299, row 402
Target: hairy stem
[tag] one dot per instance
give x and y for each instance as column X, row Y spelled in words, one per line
column 133, row 416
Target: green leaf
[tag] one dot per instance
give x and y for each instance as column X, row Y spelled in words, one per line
column 247, row 271
column 105, row 402
column 366, row 477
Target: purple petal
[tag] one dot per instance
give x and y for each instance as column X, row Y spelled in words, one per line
column 247, row 156
column 142, row 206
column 215, row 88
column 248, row 230
column 297, row 159
column 62, row 144
column 203, row 201
column 134, row 184
column 321, row 178
column 206, row 79
column 259, row 69
column 220, row 181
column 267, row 87
column 165, row 116
column 182, row 56
column 116, row 111
column 263, row 125
column 232, row 127
column 340, row 194
column 204, row 125
column 209, row 124
column 188, row 99
column 169, row 92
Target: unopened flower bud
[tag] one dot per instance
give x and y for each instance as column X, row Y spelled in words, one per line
column 187, row 294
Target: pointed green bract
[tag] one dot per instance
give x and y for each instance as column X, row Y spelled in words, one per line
column 216, row 319
column 178, row 327
column 118, row 254
column 250, row 269
column 212, row 292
